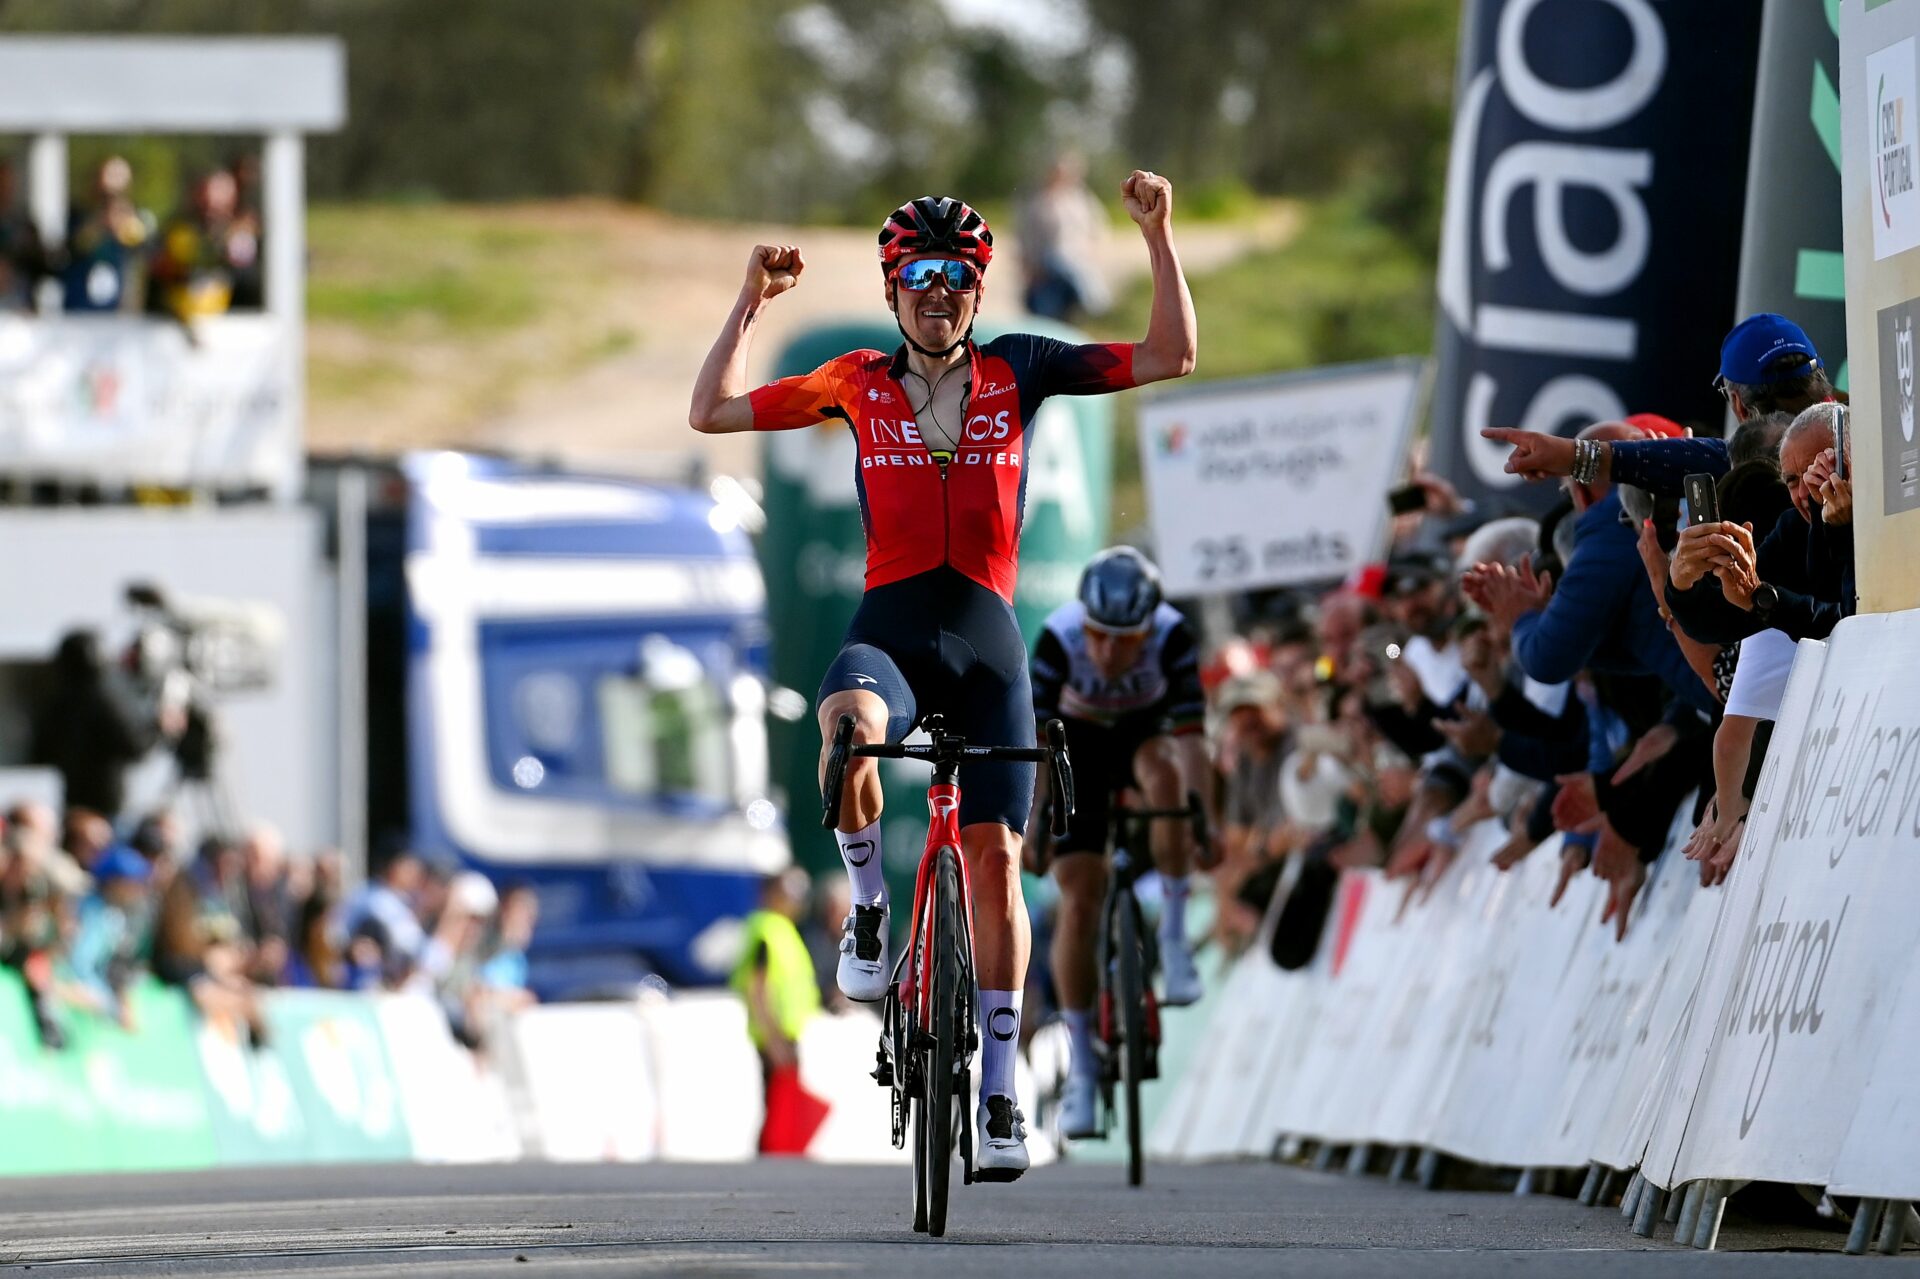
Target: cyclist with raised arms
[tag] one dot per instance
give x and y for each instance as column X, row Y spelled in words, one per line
column 941, row 426
column 1121, row 668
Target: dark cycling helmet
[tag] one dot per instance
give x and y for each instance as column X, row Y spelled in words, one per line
column 935, row 224
column 1120, row 589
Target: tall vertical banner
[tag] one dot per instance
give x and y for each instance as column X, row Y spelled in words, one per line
column 1790, row 258
column 1588, row 261
column 1880, row 204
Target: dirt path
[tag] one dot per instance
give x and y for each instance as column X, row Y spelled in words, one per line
column 662, row 284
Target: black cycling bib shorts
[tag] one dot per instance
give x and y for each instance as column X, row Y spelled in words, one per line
column 939, row 643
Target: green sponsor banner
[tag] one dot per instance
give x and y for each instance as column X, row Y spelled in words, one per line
column 251, row 1101
column 339, row 1075
column 814, row 559
column 1790, row 258
column 110, row 1100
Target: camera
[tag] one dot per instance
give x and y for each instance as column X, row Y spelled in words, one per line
column 222, row 646
column 187, row 653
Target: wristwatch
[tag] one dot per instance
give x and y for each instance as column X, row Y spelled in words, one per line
column 1766, row 597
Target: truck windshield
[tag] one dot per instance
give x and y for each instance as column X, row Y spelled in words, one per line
column 664, row 727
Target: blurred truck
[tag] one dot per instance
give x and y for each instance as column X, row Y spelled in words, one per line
column 565, row 685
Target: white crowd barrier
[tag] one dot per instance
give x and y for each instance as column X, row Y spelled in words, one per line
column 678, row 1079
column 456, row 1110
column 1763, row 1030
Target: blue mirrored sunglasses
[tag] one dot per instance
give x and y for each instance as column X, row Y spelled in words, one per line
column 959, row 275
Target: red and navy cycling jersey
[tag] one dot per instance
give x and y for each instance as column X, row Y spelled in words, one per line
column 920, row 514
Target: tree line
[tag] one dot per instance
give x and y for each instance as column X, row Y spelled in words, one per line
column 821, row 109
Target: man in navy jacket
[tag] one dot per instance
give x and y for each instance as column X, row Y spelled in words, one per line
column 1603, row 615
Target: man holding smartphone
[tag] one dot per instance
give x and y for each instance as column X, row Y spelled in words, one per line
column 1830, row 478
column 1798, row 577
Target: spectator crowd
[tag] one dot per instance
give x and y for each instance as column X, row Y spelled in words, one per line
column 204, row 259
column 87, row 914
column 1591, row 672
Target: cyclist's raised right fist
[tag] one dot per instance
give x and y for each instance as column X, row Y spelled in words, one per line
column 772, row 270
column 1148, row 198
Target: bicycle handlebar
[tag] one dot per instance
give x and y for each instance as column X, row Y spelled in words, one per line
column 1062, row 793
column 1194, row 814
column 898, row 750
column 943, row 747
column 836, row 772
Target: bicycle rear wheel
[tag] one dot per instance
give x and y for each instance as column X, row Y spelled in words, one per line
column 1130, row 996
column 942, row 1037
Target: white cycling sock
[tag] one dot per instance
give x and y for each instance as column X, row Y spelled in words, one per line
column 1000, row 1040
column 861, row 853
column 1173, row 910
column 1080, row 1035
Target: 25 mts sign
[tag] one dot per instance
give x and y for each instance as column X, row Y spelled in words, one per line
column 1275, row 481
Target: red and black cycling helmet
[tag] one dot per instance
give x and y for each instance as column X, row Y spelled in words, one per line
column 935, row 224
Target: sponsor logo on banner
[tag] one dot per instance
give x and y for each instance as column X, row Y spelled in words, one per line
column 1891, row 123
column 1899, row 454
column 1778, row 992
column 1578, row 127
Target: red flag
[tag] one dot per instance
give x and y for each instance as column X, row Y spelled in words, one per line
column 794, row 1115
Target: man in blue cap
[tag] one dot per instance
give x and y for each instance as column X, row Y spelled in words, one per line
column 103, row 955
column 1768, row 364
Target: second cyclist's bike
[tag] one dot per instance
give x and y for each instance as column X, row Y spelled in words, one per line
column 1127, row 956
column 929, row 1017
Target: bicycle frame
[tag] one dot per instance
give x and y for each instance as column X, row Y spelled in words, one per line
column 943, row 829
column 1125, row 867
column 1126, row 957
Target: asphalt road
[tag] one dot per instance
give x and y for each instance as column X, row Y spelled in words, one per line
column 775, row 1218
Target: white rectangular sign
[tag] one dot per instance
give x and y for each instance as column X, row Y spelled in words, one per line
column 119, row 400
column 1274, row 481
column 1891, row 122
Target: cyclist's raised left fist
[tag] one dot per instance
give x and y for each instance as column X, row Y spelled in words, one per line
column 772, row 270
column 1148, row 197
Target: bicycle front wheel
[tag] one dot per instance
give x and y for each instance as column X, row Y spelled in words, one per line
column 944, row 1027
column 1130, row 996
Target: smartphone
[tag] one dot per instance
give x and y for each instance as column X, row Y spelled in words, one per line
column 1840, row 413
column 1407, row 500
column 1703, row 500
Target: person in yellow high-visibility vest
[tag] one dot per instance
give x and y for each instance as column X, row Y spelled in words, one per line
column 775, row 977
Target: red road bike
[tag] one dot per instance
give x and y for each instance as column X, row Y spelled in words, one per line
column 928, row 1018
